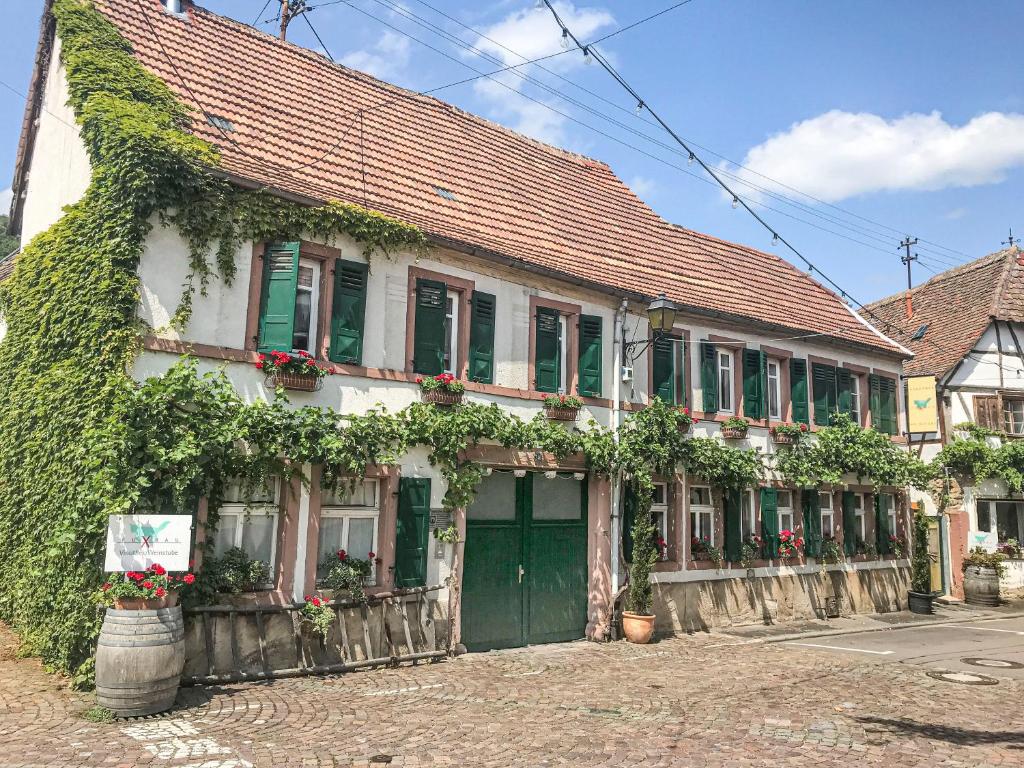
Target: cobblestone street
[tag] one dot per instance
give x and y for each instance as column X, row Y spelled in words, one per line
column 702, row 700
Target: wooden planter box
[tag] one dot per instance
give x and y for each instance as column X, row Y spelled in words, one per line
column 304, row 382
column 442, row 397
column 146, row 604
column 561, row 414
column 784, row 439
column 732, row 433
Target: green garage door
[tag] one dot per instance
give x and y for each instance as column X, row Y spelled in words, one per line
column 525, row 577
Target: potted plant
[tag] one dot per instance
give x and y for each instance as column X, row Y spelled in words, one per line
column 233, row 573
column 920, row 596
column 897, row 546
column 638, row 616
column 735, row 427
column 317, row 614
column 684, row 419
column 292, row 371
column 443, row 389
column 789, row 545
column 981, row 577
column 146, row 590
column 831, row 552
column 703, row 549
column 1011, row 549
column 562, row 407
column 787, row 434
column 343, row 573
column 750, row 550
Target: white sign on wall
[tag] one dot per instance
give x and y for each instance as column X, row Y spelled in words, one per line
column 135, row 542
column 987, row 540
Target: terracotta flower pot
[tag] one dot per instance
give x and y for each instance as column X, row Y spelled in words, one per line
column 784, row 439
column 441, row 397
column 304, row 382
column 637, row 629
column 733, row 433
column 556, row 413
column 146, row 604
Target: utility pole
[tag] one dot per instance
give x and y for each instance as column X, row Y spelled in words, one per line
column 284, row 19
column 289, row 10
column 1012, row 241
column 907, row 242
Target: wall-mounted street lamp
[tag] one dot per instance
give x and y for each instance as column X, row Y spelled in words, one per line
column 661, row 315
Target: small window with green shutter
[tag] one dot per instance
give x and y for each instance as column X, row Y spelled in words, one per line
column 823, row 387
column 431, row 329
column 733, row 514
column 548, row 350
column 755, row 383
column 668, row 381
column 883, row 405
column 412, row 525
column 770, row 523
column 348, row 312
column 590, row 359
column 709, row 377
column 798, row 391
column 481, row 337
column 812, row 522
column 277, row 298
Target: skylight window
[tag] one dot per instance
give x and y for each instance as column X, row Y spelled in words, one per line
column 220, row 122
column 447, row 194
column 919, row 333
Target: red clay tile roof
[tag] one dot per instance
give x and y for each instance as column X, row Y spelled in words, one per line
column 957, row 305
column 294, row 130
column 7, row 265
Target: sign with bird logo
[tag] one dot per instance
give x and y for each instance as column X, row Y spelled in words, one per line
column 135, row 542
column 922, row 410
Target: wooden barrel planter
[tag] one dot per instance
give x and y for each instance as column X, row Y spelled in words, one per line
column 139, row 659
column 304, row 382
column 981, row 585
column 441, row 397
column 561, row 414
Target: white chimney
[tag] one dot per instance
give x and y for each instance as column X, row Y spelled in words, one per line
column 172, row 6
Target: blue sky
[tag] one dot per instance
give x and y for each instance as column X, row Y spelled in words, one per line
column 895, row 117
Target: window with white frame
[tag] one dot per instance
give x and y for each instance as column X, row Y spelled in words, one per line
column 1013, row 416
column 307, row 298
column 749, row 514
column 659, row 513
column 785, row 510
column 248, row 520
column 774, row 391
column 890, row 505
column 451, row 333
column 828, row 529
column 858, row 516
column 702, row 515
column 725, row 400
column 563, row 371
column 855, row 398
column 349, row 518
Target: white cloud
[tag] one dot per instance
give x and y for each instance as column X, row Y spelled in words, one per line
column 532, row 33
column 839, row 155
column 387, row 58
column 5, row 200
column 642, row 186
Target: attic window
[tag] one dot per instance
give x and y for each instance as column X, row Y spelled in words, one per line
column 220, row 122
column 447, row 194
column 919, row 333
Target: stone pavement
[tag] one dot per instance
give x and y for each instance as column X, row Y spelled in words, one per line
column 700, row 700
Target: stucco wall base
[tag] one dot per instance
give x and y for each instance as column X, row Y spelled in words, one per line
column 703, row 605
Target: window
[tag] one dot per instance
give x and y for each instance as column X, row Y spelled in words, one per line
column 883, row 404
column 824, row 393
column 549, row 350
column 306, row 295
column 1013, row 416
column 827, row 515
column 290, row 300
column 348, row 521
column 986, row 412
column 985, row 516
column 855, row 398
column 774, row 390
column 890, row 505
column 858, row 515
column 248, row 520
column 450, row 362
column 563, row 376
column 659, row 514
column 1009, row 516
column 725, row 382
column 667, row 370
column 748, row 520
column 785, row 508
column 702, row 514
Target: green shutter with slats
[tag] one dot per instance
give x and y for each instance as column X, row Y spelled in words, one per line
column 844, row 391
column 754, row 384
column 411, row 529
column 277, row 301
column 812, row 522
column 882, row 400
column 823, row 388
column 882, row 531
column 481, row 337
column 849, row 524
column 733, row 524
column 590, row 367
column 770, row 523
column 798, row 390
column 348, row 312
column 663, row 373
column 547, row 366
column 709, row 377
column 428, row 334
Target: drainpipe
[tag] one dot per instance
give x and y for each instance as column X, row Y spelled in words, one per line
column 617, row 346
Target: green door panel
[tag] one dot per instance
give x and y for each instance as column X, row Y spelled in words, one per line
column 492, row 597
column 277, row 301
column 411, row 531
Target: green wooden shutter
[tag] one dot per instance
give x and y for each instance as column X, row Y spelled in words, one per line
column 411, row 529
column 733, row 525
column 889, row 410
column 844, row 391
column 823, row 387
column 798, row 390
column 348, row 312
column 753, row 384
column 547, row 366
column 875, row 401
column 849, row 525
column 709, row 377
column 629, row 505
column 428, row 333
column 590, row 368
column 663, row 374
column 812, row 522
column 481, row 337
column 277, row 302
column 770, row 523
column 882, row 524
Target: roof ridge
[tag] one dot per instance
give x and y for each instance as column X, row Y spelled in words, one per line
column 942, row 277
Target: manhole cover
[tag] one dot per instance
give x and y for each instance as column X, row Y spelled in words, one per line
column 381, row 759
column 964, row 678
column 995, row 663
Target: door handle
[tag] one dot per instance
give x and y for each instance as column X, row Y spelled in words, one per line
column 521, row 572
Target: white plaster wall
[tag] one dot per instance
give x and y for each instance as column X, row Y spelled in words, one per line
column 59, row 171
column 981, row 370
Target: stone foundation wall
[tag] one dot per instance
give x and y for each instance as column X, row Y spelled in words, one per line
column 702, row 605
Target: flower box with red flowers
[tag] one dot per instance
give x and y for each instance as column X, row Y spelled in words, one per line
column 145, row 590
column 789, row 545
column 443, row 389
column 735, row 428
column 562, row 407
column 684, row 419
column 787, row 434
column 292, row 370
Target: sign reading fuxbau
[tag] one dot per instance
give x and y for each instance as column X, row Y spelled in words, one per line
column 135, row 542
column 922, row 410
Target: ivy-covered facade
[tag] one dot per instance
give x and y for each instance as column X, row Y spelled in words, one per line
column 140, row 322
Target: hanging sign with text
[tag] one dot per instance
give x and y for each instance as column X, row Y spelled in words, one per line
column 135, row 542
column 922, row 410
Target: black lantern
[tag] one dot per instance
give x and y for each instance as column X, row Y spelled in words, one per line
column 661, row 315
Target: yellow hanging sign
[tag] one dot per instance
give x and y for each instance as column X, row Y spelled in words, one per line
column 922, row 409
